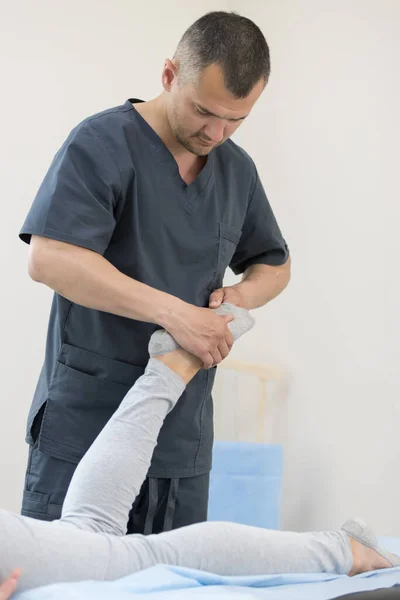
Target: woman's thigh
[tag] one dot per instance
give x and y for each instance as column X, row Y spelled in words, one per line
column 50, row 552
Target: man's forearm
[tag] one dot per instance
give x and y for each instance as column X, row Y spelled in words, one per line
column 262, row 283
column 88, row 279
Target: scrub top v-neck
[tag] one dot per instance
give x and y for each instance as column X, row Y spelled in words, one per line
column 190, row 193
column 114, row 188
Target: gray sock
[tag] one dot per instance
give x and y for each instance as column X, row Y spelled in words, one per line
column 359, row 531
column 162, row 342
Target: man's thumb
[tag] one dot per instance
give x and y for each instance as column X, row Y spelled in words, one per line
column 216, row 298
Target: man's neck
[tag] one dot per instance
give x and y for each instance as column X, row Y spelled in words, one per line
column 155, row 114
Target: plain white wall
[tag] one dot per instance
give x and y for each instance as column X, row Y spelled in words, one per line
column 60, row 61
column 324, row 137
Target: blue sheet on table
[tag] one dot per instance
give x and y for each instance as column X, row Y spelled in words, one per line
column 168, row 583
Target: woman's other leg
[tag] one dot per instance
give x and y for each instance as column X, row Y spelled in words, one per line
column 234, row 549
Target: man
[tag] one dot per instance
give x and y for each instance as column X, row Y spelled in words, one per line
column 142, row 210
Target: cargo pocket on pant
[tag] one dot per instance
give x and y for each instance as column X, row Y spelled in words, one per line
column 79, row 404
column 36, row 504
column 46, row 481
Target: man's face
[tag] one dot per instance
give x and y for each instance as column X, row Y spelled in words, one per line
column 204, row 115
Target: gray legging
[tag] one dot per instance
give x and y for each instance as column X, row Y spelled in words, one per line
column 89, row 540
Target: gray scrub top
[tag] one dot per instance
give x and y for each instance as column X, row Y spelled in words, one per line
column 115, row 188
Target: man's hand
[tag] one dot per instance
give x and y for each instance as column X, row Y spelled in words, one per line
column 260, row 284
column 229, row 294
column 202, row 333
column 8, row 587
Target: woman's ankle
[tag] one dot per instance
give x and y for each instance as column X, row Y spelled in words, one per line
column 182, row 363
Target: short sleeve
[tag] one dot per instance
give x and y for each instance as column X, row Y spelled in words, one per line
column 76, row 200
column 261, row 241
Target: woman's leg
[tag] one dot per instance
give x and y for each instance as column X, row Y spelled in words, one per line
column 233, row 549
column 109, row 476
column 53, row 552
column 50, row 553
column 47, row 552
column 99, row 499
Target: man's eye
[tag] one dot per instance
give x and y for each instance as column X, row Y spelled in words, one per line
column 201, row 113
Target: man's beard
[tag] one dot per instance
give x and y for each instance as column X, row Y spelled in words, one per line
column 189, row 141
column 190, row 145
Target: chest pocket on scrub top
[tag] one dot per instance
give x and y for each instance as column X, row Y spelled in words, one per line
column 228, row 239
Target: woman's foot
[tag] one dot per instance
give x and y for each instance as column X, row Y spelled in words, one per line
column 366, row 559
column 163, row 347
column 367, row 556
column 162, row 342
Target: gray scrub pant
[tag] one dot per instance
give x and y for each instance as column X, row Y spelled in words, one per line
column 89, row 540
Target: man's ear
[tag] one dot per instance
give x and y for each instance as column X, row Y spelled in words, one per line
column 169, row 74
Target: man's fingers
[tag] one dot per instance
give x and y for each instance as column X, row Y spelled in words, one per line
column 217, row 358
column 216, row 298
column 208, row 362
column 223, row 349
